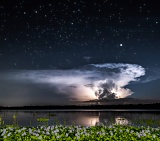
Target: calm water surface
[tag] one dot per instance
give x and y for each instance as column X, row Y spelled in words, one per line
column 81, row 117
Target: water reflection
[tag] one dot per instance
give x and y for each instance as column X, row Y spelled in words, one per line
column 85, row 118
column 121, row 121
column 89, row 121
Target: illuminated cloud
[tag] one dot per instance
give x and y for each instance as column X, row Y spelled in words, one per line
column 61, row 86
column 114, row 78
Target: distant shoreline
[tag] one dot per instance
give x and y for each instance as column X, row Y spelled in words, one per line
column 53, row 107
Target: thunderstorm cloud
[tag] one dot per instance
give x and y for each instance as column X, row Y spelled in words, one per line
column 50, row 87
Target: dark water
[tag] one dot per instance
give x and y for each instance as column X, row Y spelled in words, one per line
column 81, row 117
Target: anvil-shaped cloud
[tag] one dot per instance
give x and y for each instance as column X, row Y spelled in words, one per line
column 25, row 87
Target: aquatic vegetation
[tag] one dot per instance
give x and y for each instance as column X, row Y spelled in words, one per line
column 118, row 128
column 76, row 133
column 15, row 122
column 1, row 121
column 42, row 119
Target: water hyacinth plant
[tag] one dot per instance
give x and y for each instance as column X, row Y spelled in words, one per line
column 79, row 133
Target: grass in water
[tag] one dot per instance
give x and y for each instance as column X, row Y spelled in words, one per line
column 42, row 119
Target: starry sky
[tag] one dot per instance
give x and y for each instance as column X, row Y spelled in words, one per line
column 50, row 35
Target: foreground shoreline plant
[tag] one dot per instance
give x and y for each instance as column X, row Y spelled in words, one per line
column 79, row 133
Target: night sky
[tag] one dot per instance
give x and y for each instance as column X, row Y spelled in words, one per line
column 45, row 39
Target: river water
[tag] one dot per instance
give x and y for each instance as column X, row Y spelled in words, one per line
column 81, row 117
